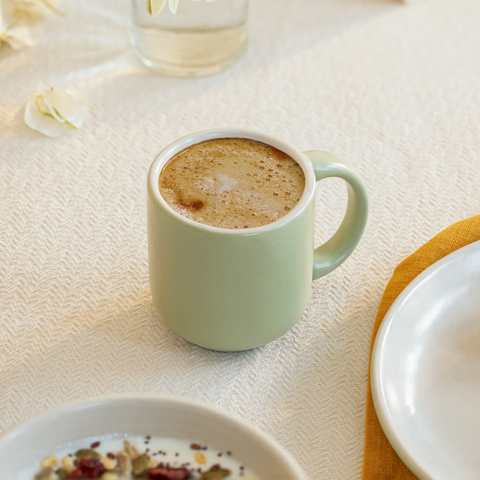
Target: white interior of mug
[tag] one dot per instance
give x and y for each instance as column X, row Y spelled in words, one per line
column 167, row 153
column 161, row 416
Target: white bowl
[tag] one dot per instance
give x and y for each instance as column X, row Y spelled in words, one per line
column 140, row 415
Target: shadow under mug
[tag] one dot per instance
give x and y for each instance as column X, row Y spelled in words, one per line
column 233, row 290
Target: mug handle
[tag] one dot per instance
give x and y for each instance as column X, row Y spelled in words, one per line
column 338, row 248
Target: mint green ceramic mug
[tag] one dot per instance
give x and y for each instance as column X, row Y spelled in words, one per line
column 233, row 290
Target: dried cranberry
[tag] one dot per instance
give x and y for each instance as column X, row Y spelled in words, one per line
column 77, row 474
column 89, row 463
column 91, row 467
column 168, row 473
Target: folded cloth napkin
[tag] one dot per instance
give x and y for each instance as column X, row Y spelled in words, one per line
column 380, row 462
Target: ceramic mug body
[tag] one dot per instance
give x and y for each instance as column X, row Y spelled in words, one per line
column 233, row 290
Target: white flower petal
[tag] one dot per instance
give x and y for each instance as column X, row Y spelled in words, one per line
column 173, row 4
column 43, row 123
column 21, row 21
column 156, row 6
column 70, row 106
column 55, row 112
column 51, row 109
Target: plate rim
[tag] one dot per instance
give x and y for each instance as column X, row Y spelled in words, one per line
column 411, row 460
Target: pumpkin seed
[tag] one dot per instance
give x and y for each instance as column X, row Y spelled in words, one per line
column 87, row 452
column 62, row 473
column 140, row 464
column 219, row 473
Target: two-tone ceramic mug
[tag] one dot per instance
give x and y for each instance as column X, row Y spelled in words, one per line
column 234, row 290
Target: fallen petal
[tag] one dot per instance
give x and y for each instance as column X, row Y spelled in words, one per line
column 21, row 21
column 70, row 106
column 55, row 112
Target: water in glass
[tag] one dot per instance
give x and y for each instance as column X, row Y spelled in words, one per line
column 200, row 39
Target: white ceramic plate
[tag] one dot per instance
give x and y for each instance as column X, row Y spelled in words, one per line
column 426, row 370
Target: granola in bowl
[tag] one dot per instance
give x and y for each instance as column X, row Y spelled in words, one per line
column 139, row 458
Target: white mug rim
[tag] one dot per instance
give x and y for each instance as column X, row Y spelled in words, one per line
column 231, row 132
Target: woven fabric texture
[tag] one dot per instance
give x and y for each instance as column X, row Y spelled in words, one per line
column 390, row 87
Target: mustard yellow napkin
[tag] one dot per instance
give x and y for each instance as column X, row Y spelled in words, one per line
column 380, row 462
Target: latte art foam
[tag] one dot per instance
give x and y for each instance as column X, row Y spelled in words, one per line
column 232, row 183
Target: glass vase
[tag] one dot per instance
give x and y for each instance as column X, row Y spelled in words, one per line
column 202, row 38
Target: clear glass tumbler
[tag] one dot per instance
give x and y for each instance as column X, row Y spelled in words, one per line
column 202, row 38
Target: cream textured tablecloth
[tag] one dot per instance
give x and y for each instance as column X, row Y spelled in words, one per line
column 392, row 88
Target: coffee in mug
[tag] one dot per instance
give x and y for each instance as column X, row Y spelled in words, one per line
column 232, row 183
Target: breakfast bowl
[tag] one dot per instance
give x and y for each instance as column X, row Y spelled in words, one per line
column 143, row 416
